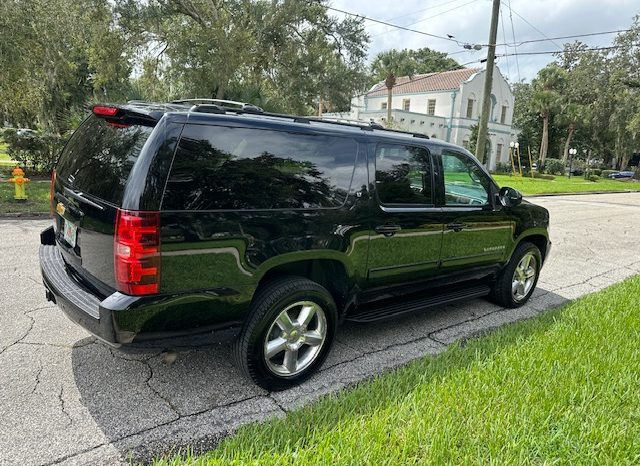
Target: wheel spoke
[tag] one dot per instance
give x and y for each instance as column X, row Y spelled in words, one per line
column 306, row 314
column 521, row 289
column 530, row 273
column 313, row 338
column 526, row 261
column 514, row 287
column 276, row 346
column 291, row 360
column 284, row 322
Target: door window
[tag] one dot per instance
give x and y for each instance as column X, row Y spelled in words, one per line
column 403, row 175
column 464, row 182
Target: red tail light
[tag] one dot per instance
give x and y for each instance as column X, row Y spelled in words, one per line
column 105, row 111
column 51, row 188
column 136, row 252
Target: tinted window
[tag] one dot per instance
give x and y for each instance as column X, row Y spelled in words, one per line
column 403, row 175
column 99, row 158
column 219, row 167
column 464, row 182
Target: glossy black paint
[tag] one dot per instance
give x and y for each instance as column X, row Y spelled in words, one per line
column 363, row 251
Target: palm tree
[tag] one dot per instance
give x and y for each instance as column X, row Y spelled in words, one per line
column 391, row 64
column 573, row 116
column 546, row 97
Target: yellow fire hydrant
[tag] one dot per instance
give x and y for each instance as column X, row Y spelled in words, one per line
column 19, row 180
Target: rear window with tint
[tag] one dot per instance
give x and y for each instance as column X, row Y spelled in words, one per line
column 219, row 167
column 98, row 158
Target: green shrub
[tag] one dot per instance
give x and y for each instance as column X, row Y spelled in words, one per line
column 543, row 176
column 606, row 173
column 554, row 166
column 36, row 152
column 593, row 178
column 503, row 167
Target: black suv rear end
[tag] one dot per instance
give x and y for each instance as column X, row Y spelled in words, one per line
column 182, row 219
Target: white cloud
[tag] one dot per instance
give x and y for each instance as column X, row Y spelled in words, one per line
column 468, row 21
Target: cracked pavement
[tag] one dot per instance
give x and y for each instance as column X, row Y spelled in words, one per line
column 67, row 399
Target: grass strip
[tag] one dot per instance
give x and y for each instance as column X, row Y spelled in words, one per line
column 38, row 202
column 575, row 184
column 562, row 388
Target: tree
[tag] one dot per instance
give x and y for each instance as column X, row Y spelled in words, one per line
column 546, row 96
column 391, row 64
column 572, row 115
column 473, row 140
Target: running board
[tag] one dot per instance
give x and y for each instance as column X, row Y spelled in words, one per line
column 395, row 308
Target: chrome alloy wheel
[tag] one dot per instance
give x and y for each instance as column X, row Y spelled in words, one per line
column 295, row 338
column 524, row 276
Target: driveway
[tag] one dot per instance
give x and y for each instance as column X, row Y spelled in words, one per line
column 67, row 399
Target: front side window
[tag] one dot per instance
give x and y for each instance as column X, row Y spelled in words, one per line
column 465, row 183
column 219, row 167
column 403, row 175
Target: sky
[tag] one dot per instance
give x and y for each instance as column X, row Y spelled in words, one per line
column 468, row 21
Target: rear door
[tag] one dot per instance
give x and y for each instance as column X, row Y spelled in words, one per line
column 90, row 180
column 406, row 234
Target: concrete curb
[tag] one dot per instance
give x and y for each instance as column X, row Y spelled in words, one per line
column 627, row 191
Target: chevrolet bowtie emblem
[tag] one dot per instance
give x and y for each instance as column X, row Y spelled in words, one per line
column 60, row 208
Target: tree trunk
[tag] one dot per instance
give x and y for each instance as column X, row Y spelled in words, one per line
column 220, row 91
column 565, row 157
column 389, row 81
column 389, row 94
column 545, row 138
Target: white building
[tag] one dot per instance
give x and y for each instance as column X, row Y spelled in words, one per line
column 442, row 105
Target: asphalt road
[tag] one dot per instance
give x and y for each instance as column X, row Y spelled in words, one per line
column 67, row 399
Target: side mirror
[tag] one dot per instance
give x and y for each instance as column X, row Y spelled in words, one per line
column 509, row 197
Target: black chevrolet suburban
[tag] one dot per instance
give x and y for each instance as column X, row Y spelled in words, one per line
column 201, row 217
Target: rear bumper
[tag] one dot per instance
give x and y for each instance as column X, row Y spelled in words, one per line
column 125, row 321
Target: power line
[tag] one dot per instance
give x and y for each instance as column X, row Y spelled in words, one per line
column 532, row 26
column 394, row 25
column 413, row 13
column 513, row 33
column 551, row 52
column 504, row 37
column 514, row 44
column 433, row 16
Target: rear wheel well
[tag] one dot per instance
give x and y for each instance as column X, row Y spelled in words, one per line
column 540, row 241
column 331, row 274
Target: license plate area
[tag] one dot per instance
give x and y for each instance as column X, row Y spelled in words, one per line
column 69, row 232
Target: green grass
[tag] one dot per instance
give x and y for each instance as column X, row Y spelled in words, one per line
column 562, row 184
column 559, row 389
column 37, row 191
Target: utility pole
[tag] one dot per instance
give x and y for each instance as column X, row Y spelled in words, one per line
column 488, row 81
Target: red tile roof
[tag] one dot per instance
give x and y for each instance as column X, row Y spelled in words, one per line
column 421, row 83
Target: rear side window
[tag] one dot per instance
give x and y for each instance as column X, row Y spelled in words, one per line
column 219, row 167
column 98, row 158
column 403, row 175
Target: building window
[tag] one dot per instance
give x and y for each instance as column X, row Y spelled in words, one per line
column 431, row 107
column 401, row 120
column 406, row 103
column 383, row 106
column 465, row 144
column 470, row 103
column 432, row 124
column 503, row 115
column 413, row 121
column 422, row 122
column 499, row 152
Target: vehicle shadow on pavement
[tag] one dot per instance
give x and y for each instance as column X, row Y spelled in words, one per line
column 128, row 394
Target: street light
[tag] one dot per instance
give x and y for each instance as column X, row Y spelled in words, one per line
column 572, row 152
column 514, row 148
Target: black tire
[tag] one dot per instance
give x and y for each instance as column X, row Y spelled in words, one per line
column 502, row 292
column 268, row 303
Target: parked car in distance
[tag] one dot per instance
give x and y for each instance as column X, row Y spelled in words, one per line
column 622, row 174
column 201, row 217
